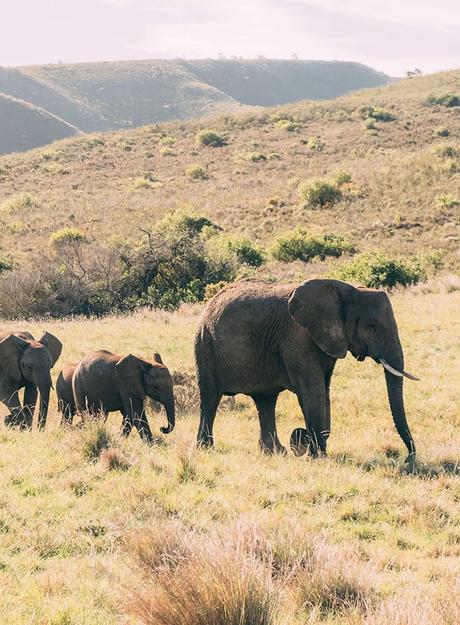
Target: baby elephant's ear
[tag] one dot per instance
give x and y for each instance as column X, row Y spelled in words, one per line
column 131, row 371
column 157, row 358
column 10, row 349
column 53, row 344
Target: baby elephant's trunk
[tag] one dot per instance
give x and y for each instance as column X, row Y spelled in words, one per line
column 171, row 415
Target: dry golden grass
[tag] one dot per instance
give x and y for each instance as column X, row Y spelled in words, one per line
column 171, row 533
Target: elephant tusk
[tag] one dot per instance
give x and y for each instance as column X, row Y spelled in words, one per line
column 396, row 372
column 410, row 376
column 390, row 368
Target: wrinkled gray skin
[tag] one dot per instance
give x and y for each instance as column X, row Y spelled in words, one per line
column 64, row 392
column 26, row 363
column 106, row 382
column 259, row 340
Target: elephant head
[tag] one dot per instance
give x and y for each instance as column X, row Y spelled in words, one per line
column 340, row 318
column 149, row 379
column 32, row 361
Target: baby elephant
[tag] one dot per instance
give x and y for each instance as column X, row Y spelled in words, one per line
column 64, row 392
column 104, row 382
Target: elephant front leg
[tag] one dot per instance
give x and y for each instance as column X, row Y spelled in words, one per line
column 314, row 402
column 269, row 441
column 16, row 416
column 30, row 400
column 135, row 413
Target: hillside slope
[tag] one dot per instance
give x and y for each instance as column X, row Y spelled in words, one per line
column 101, row 96
column 398, row 144
column 25, row 126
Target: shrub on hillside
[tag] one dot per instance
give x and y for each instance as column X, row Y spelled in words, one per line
column 448, row 100
column 288, row 124
column 319, row 192
column 446, row 151
column 376, row 113
column 441, row 131
column 299, row 245
column 197, row 172
column 374, row 270
column 445, row 200
column 256, row 157
column 20, row 202
column 341, row 178
column 315, row 145
column 210, row 138
column 67, row 236
column 246, row 253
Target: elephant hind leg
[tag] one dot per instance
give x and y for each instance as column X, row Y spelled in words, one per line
column 209, row 403
column 269, row 441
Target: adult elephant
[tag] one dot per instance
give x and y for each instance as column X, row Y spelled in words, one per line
column 104, row 382
column 26, row 363
column 260, row 339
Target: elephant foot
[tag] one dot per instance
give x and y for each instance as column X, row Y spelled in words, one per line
column 301, row 443
column 205, row 442
column 270, row 448
column 15, row 421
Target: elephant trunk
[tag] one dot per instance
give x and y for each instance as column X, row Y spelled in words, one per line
column 44, row 386
column 170, row 414
column 395, row 397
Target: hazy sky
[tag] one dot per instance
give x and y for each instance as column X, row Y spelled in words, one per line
column 390, row 35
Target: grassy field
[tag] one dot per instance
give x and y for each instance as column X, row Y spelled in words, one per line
column 171, row 534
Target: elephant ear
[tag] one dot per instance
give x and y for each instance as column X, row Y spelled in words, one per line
column 319, row 306
column 53, row 345
column 131, row 372
column 10, row 348
column 157, row 358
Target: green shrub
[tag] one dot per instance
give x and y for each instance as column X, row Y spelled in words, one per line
column 247, row 253
column 6, row 264
column 299, row 245
column 288, row 124
column 67, row 236
column 446, row 200
column 374, row 270
column 341, row 178
column 448, row 100
column 255, row 157
column 210, row 138
column 197, row 172
column 441, row 131
column 93, row 143
column 213, row 289
column 167, row 151
column 21, row 201
column 315, row 144
column 167, row 140
column 377, row 114
column 319, row 192
column 445, row 151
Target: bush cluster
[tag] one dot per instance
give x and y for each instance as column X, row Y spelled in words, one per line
column 299, row 245
column 448, row 100
column 210, row 138
column 376, row 113
column 319, row 192
column 172, row 263
column 374, row 270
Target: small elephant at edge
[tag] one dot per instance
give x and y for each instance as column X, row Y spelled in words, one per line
column 106, row 382
column 27, row 363
column 64, row 392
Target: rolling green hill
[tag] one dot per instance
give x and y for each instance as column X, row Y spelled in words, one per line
column 101, row 96
column 395, row 148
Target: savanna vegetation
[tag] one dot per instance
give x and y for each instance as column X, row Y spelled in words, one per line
column 99, row 96
column 114, row 241
column 97, row 530
column 304, row 186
